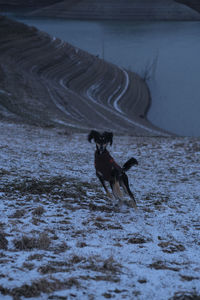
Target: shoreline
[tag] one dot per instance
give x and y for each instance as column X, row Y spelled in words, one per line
column 119, row 10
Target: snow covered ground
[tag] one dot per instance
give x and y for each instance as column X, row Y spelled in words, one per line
column 61, row 238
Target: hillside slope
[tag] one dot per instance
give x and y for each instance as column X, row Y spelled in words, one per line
column 194, row 4
column 46, row 81
column 62, row 238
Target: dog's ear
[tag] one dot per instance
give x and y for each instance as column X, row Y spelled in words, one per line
column 108, row 137
column 93, row 135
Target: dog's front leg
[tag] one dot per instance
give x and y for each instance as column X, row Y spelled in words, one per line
column 103, row 183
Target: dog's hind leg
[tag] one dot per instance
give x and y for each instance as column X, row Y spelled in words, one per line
column 115, row 186
column 125, row 185
column 116, row 190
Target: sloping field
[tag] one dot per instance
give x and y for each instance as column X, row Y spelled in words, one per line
column 62, row 238
column 46, row 81
column 119, row 10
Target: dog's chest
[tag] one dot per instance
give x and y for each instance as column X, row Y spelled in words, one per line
column 104, row 164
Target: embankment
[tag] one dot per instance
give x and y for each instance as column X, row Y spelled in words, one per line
column 48, row 82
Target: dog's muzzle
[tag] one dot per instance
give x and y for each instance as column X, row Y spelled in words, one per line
column 101, row 148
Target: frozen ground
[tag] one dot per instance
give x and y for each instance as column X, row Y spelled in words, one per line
column 61, row 238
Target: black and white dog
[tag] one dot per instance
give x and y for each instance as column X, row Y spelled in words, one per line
column 107, row 169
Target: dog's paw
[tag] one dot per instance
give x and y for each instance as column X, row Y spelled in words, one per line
column 132, row 204
column 109, row 195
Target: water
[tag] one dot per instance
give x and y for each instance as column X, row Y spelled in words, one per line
column 167, row 54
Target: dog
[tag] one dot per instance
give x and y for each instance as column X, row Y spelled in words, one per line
column 108, row 170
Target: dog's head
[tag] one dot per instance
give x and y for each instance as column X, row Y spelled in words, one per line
column 101, row 139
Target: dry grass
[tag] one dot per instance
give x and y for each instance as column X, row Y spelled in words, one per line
column 37, row 287
column 171, row 247
column 39, row 211
column 138, row 240
column 35, row 186
column 19, row 213
column 104, row 266
column 3, row 241
column 185, row 296
column 4, row 172
column 160, row 265
column 41, row 242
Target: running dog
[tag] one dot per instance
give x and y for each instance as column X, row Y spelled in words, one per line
column 108, row 170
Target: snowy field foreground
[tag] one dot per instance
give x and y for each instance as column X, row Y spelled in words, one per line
column 61, row 238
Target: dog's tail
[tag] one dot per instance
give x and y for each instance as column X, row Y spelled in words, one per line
column 132, row 161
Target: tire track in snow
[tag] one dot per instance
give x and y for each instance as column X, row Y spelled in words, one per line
column 117, row 109
column 119, row 97
column 123, row 115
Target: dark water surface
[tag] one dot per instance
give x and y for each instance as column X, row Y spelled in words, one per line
column 167, row 54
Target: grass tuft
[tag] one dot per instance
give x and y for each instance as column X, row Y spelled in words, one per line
column 38, row 211
column 42, row 242
column 3, row 242
column 186, row 296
